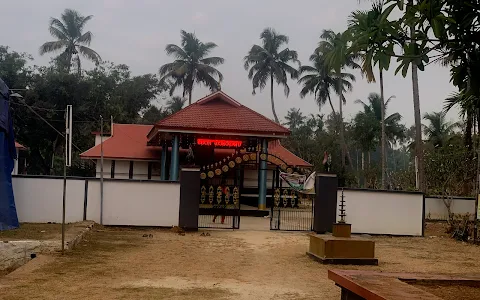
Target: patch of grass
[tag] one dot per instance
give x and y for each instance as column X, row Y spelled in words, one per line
column 33, row 231
column 170, row 293
column 96, row 248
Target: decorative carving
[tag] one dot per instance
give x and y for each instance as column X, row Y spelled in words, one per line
column 276, row 197
column 231, row 164
column 285, row 197
column 210, row 174
column 203, row 193
column 227, row 195
column 210, row 194
column 225, row 168
column 218, row 172
column 236, row 196
column 219, row 195
column 203, row 175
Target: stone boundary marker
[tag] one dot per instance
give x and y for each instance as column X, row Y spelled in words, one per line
column 14, row 254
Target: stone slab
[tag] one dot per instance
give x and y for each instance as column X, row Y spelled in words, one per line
column 331, row 247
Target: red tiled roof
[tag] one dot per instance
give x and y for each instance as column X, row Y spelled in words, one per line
column 220, row 113
column 20, row 146
column 275, row 148
column 129, row 141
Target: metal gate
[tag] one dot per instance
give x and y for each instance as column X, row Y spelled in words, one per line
column 220, row 202
column 291, row 210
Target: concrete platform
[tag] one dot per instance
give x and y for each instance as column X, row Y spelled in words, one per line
column 329, row 249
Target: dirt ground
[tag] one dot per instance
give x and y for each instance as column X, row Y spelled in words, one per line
column 119, row 263
column 39, row 231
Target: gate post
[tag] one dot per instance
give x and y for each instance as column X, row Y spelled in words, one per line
column 325, row 206
column 189, row 198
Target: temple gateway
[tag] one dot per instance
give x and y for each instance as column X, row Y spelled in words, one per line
column 238, row 151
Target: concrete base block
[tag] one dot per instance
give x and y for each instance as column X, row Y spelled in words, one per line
column 329, row 249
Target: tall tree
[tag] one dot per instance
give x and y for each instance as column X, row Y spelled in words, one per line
column 320, row 79
column 295, row 118
column 370, row 31
column 438, row 129
column 394, row 131
column 268, row 61
column 71, row 40
column 175, row 104
column 467, row 105
column 191, row 65
column 335, row 49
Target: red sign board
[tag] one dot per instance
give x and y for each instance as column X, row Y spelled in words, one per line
column 220, row 143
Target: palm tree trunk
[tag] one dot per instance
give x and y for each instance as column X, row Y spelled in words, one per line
column 382, row 113
column 331, row 105
column 342, row 134
column 271, row 99
column 418, row 119
column 190, row 95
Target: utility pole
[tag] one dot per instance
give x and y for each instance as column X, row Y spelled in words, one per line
column 101, row 170
column 67, row 163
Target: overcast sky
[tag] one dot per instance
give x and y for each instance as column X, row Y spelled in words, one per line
column 136, row 32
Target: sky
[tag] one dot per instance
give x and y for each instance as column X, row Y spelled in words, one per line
column 136, row 32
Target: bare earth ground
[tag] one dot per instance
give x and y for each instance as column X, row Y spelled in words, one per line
column 118, row 263
column 38, row 231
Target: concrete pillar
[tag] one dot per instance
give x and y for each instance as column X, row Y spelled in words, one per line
column 174, row 163
column 163, row 162
column 325, row 206
column 262, row 177
column 189, row 199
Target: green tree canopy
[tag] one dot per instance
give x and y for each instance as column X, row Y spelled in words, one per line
column 71, row 40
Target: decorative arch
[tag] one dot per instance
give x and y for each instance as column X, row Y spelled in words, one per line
column 241, row 157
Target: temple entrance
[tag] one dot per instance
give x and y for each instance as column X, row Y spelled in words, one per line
column 220, row 199
column 290, row 210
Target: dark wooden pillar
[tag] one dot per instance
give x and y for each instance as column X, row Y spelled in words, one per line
column 325, row 209
column 189, row 198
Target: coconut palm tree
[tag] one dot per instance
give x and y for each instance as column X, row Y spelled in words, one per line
column 175, row 104
column 467, row 105
column 320, row 80
column 270, row 62
column 191, row 65
column 71, row 40
column 438, row 130
column 334, row 48
column 294, row 118
column 394, row 131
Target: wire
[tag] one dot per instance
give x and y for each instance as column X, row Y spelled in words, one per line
column 36, row 107
column 48, row 123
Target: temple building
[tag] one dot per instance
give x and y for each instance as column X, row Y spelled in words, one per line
column 232, row 145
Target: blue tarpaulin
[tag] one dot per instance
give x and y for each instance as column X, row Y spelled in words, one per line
column 8, row 212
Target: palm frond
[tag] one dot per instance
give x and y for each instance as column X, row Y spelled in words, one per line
column 202, row 68
column 214, row 61
column 176, row 51
column 90, row 54
column 85, row 38
column 53, row 46
column 56, row 23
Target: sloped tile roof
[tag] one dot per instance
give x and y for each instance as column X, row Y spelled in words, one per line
column 129, row 141
column 20, row 146
column 220, row 113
